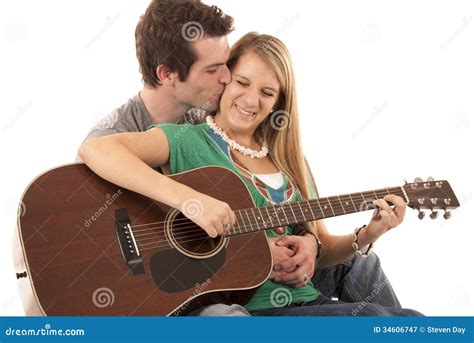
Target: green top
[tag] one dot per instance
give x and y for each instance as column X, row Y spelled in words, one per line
column 194, row 146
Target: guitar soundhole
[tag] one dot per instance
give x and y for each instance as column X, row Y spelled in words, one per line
column 190, row 239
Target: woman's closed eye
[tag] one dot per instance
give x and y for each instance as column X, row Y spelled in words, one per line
column 268, row 94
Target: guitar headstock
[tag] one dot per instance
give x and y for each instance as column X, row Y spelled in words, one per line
column 431, row 195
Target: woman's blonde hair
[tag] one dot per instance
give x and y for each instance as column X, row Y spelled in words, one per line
column 281, row 129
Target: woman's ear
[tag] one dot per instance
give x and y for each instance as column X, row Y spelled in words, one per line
column 166, row 75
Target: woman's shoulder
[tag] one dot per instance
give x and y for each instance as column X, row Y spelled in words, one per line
column 183, row 132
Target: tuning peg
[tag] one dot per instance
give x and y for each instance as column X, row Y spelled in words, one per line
column 421, row 215
column 418, row 179
column 447, row 214
column 434, row 214
column 430, row 179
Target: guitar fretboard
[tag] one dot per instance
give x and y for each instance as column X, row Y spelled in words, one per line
column 269, row 217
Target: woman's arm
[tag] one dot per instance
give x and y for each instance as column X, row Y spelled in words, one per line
column 337, row 249
column 127, row 160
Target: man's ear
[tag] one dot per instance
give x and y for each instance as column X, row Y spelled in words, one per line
column 166, row 75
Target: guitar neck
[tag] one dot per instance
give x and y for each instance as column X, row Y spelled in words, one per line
column 269, row 217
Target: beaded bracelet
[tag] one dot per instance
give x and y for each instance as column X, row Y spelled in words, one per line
column 355, row 246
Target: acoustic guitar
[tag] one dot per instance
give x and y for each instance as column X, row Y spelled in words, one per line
column 88, row 247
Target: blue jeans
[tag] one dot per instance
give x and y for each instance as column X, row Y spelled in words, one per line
column 323, row 306
column 356, row 280
column 359, row 284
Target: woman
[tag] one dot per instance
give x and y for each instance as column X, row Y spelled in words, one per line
column 255, row 133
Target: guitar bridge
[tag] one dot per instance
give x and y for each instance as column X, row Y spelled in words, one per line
column 127, row 242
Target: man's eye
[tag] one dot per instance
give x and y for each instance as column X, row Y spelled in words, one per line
column 212, row 71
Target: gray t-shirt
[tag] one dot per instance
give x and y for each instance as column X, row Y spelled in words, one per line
column 134, row 117
column 130, row 117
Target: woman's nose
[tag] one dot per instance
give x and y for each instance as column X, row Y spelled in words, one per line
column 250, row 99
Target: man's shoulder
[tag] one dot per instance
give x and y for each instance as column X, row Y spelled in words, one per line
column 132, row 116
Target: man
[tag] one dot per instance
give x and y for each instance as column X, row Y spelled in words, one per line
column 182, row 49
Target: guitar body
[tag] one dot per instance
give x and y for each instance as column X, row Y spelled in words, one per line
column 70, row 261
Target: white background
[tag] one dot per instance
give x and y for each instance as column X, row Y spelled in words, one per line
column 385, row 92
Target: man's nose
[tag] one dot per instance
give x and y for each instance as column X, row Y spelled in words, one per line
column 225, row 76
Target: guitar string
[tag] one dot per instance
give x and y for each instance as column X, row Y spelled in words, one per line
column 282, row 207
column 197, row 233
column 252, row 222
column 159, row 244
column 341, row 197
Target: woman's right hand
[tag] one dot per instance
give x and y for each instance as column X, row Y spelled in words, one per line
column 209, row 213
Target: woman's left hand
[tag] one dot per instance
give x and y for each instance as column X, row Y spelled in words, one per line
column 385, row 218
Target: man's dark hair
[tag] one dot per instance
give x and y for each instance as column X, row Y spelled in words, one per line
column 166, row 31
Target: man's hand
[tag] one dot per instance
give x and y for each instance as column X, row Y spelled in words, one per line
column 293, row 258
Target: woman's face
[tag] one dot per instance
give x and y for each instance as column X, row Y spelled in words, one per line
column 250, row 96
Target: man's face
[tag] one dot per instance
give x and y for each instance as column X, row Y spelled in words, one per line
column 208, row 76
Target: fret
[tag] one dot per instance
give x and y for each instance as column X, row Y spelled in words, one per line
column 345, row 200
column 329, row 202
column 283, row 209
column 263, row 220
column 310, row 208
column 302, row 213
column 319, row 203
column 250, row 222
column 341, row 204
column 388, row 193
column 322, row 212
column 291, row 208
column 355, row 208
column 243, row 221
column 375, row 193
column 276, row 215
column 256, row 221
column 269, row 216
column 366, row 205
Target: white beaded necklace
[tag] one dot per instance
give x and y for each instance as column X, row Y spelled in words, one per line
column 233, row 144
